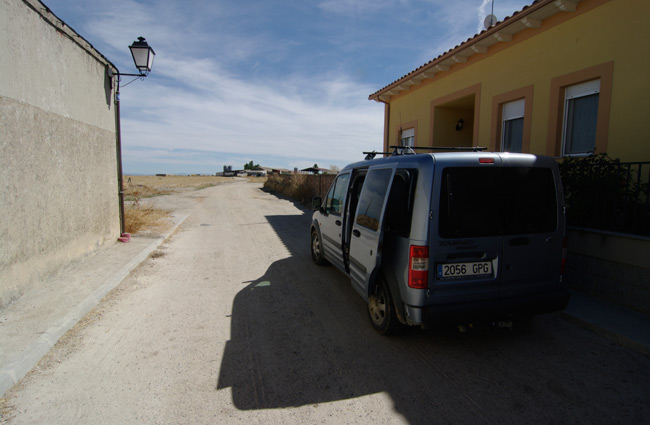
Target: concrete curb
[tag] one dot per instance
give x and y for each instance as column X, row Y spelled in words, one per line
column 15, row 371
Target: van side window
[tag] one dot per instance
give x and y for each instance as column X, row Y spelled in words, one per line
column 372, row 198
column 336, row 195
column 397, row 218
column 483, row 202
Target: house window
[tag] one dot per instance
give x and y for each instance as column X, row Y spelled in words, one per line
column 512, row 126
column 580, row 118
column 408, row 137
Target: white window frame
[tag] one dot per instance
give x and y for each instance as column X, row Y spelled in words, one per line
column 571, row 93
column 512, row 111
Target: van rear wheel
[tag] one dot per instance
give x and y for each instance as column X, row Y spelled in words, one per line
column 381, row 310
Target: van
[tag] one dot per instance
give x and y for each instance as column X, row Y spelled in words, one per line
column 432, row 237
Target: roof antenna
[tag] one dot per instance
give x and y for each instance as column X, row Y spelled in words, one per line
column 490, row 19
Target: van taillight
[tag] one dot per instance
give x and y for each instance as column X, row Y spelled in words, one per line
column 419, row 267
column 486, row 160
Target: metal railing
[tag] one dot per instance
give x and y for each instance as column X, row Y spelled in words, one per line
column 606, row 194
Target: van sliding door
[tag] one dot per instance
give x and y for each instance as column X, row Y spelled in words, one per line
column 367, row 227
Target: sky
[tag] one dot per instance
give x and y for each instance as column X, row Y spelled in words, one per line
column 282, row 83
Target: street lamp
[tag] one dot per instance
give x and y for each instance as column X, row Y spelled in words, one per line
column 143, row 56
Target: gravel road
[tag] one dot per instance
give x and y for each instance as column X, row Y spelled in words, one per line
column 230, row 322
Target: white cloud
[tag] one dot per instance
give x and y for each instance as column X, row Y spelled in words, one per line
column 328, row 118
column 346, row 7
column 194, row 101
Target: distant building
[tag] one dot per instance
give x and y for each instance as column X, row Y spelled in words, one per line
column 314, row 170
column 255, row 173
column 228, row 171
column 277, row 170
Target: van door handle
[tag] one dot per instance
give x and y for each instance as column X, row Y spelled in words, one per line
column 356, row 233
column 338, row 222
column 519, row 241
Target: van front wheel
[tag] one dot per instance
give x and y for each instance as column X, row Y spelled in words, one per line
column 317, row 249
column 381, row 310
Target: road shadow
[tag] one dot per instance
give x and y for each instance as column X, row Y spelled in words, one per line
column 300, row 336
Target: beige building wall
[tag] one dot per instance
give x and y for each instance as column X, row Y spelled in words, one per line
column 58, row 169
column 600, row 36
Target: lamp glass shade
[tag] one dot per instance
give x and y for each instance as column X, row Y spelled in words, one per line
column 142, row 54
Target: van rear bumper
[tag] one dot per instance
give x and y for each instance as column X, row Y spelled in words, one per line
column 520, row 306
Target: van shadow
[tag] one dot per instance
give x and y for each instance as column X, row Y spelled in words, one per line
column 286, row 347
column 300, row 336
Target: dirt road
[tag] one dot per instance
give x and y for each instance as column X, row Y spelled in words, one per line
column 230, row 322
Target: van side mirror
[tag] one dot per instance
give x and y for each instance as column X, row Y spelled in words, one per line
column 316, row 203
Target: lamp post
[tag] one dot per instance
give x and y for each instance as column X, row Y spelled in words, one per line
column 143, row 56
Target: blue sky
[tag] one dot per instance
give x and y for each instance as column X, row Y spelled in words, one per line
column 282, row 83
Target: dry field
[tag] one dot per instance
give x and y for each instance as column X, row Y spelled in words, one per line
column 137, row 187
column 140, row 217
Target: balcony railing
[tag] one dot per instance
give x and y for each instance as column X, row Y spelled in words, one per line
column 606, row 194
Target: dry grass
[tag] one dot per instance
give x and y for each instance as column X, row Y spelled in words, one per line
column 138, row 217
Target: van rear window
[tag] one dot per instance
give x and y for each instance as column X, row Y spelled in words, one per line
column 495, row 201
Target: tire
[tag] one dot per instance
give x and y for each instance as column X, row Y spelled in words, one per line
column 317, row 249
column 381, row 310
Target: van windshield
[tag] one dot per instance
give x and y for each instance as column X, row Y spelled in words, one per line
column 483, row 202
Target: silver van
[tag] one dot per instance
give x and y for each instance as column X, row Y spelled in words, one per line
column 463, row 236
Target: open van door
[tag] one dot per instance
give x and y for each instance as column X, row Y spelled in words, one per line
column 367, row 226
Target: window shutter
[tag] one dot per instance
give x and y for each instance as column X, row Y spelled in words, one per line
column 584, row 89
column 512, row 110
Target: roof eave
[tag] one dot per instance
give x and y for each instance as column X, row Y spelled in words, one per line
column 529, row 17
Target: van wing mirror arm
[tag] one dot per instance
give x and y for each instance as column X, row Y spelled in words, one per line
column 316, row 203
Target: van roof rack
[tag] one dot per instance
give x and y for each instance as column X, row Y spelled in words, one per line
column 410, row 150
column 438, row 148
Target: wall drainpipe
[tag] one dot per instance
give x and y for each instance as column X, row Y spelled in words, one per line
column 386, row 123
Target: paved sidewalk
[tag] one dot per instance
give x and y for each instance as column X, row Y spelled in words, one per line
column 624, row 326
column 26, row 337
column 31, row 326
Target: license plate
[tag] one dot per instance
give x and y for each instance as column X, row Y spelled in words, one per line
column 480, row 268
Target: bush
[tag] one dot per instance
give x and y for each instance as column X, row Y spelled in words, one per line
column 603, row 193
column 301, row 187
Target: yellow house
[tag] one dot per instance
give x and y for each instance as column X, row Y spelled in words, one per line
column 560, row 78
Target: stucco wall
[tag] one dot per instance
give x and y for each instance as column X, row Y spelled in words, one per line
column 610, row 265
column 58, row 169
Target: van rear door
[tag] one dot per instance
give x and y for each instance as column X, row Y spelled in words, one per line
column 533, row 227
column 499, row 230
column 367, row 226
column 466, row 243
